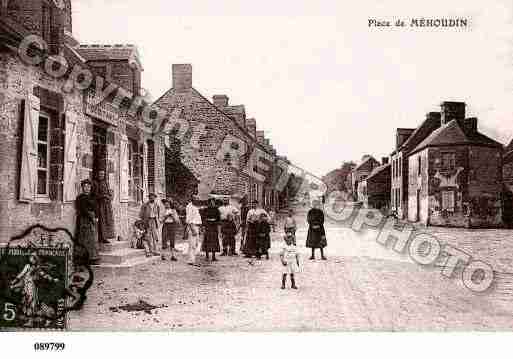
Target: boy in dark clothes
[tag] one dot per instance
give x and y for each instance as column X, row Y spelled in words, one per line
column 229, row 230
column 263, row 230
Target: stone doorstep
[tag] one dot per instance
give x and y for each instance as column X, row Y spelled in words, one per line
column 124, row 268
column 120, row 256
column 114, row 245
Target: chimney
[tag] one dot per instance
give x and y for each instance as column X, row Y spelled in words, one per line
column 251, row 127
column 260, row 135
column 469, row 125
column 238, row 113
column 452, row 111
column 384, row 160
column 402, row 134
column 220, row 101
column 182, row 77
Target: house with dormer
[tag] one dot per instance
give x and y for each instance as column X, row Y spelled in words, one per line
column 455, row 174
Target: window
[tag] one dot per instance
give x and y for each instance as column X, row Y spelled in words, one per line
column 448, row 160
column 43, row 156
column 448, row 200
column 150, row 159
column 419, row 165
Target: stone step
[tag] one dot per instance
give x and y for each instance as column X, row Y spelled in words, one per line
column 125, row 268
column 120, row 256
column 114, row 245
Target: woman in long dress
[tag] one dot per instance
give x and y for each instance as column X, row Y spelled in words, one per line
column 250, row 242
column 211, row 237
column 103, row 197
column 316, row 234
column 87, row 236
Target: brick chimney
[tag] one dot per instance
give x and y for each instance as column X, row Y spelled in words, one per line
column 469, row 125
column 220, row 101
column 251, row 127
column 260, row 135
column 402, row 135
column 182, row 77
column 238, row 113
column 384, row 160
column 452, row 111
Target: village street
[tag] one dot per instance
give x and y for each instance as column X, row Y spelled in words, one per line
column 362, row 286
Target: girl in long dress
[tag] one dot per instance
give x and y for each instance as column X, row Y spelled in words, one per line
column 316, row 234
column 211, row 237
column 87, row 235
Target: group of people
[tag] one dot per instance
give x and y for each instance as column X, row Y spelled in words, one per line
column 219, row 225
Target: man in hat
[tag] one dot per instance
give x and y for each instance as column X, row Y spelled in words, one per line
column 150, row 215
column 193, row 222
column 229, row 210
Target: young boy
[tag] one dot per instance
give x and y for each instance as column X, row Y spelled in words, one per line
column 263, row 231
column 229, row 230
column 290, row 260
column 290, row 225
column 140, row 240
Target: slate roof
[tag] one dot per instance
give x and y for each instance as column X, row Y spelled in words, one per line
column 108, row 52
column 378, row 170
column 452, row 134
column 364, row 162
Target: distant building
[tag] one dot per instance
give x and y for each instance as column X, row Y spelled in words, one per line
column 360, row 172
column 455, row 174
column 406, row 140
column 375, row 188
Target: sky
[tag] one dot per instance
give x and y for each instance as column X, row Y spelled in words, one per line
column 324, row 86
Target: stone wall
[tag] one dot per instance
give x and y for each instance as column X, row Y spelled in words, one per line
column 16, row 79
column 209, row 126
column 467, row 193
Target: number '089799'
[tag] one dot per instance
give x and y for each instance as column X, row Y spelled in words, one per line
column 49, row 346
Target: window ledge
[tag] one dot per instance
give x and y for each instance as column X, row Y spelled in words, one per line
column 44, row 200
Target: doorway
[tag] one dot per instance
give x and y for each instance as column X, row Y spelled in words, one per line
column 99, row 144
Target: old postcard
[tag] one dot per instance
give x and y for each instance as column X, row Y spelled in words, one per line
column 256, row 166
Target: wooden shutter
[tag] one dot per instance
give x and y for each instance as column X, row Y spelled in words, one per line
column 145, row 171
column 124, row 195
column 28, row 173
column 70, row 158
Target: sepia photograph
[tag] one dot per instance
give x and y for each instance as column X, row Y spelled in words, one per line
column 254, row 167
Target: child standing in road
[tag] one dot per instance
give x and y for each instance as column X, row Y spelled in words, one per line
column 290, row 260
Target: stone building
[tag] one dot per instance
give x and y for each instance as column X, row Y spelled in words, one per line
column 214, row 148
column 455, row 174
column 360, row 172
column 406, row 140
column 63, row 134
column 507, row 176
column 375, row 189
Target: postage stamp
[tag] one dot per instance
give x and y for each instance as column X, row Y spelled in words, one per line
column 33, row 288
column 40, row 282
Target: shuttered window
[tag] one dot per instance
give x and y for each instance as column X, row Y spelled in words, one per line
column 43, row 156
column 150, row 160
column 42, row 162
